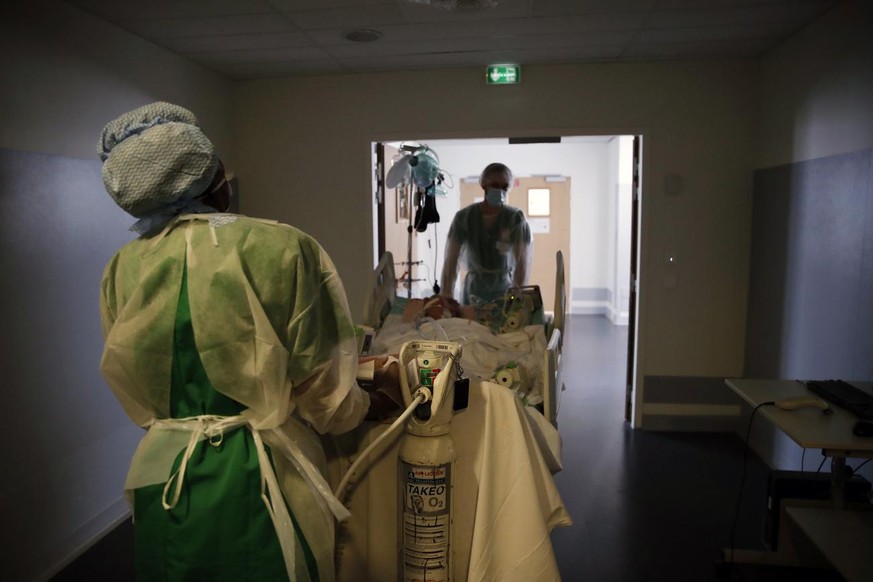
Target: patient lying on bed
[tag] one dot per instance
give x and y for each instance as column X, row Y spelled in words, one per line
column 485, row 352
column 435, row 307
column 439, row 307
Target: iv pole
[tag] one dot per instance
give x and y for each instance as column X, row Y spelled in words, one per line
column 416, row 200
column 409, row 230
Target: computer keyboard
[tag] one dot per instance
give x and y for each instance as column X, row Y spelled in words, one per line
column 844, row 395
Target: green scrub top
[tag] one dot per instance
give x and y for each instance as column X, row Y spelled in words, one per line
column 220, row 529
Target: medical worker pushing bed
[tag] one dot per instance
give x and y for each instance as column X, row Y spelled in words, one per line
column 492, row 239
column 228, row 339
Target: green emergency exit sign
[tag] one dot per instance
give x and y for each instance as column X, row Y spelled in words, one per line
column 503, row 74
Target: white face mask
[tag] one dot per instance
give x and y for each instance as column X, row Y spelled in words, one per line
column 495, row 197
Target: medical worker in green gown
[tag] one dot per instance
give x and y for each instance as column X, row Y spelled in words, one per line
column 228, row 339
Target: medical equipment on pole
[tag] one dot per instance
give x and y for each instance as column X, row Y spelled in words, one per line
column 425, row 467
column 418, row 166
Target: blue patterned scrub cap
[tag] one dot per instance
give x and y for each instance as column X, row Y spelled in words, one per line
column 156, row 163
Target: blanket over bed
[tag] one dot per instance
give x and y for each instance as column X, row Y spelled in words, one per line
column 483, row 350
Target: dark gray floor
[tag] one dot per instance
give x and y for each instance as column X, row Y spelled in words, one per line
column 648, row 507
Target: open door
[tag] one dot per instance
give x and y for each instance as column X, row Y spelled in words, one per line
column 634, row 281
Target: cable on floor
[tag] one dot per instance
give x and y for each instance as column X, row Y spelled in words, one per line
column 743, row 482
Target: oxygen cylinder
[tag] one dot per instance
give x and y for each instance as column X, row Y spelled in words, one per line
column 425, row 467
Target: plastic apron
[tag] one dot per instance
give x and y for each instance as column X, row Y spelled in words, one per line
column 220, row 491
column 489, row 252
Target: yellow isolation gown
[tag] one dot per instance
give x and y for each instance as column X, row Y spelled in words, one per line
column 229, row 339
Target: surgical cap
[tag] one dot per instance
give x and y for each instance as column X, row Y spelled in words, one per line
column 156, row 162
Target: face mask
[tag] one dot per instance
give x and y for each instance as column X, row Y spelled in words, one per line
column 495, row 197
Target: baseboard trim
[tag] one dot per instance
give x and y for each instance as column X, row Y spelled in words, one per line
column 690, row 417
column 618, row 317
column 590, row 307
column 670, row 409
column 94, row 530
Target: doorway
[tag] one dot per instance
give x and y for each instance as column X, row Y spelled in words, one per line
column 588, row 183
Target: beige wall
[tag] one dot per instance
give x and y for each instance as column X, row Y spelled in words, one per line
column 698, row 119
column 817, row 89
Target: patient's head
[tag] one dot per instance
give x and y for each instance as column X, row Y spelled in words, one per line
column 439, row 307
column 434, row 307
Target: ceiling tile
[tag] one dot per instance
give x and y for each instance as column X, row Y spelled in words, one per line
column 411, row 62
column 565, row 54
column 391, row 49
column 422, row 13
column 262, row 56
column 674, row 4
column 567, row 40
column 464, row 59
column 773, row 31
column 683, row 50
column 278, row 36
column 208, row 26
column 562, row 7
column 278, row 69
column 295, row 5
column 584, row 22
column 802, row 11
column 491, row 28
column 114, row 10
column 360, row 17
column 526, row 42
column 236, row 42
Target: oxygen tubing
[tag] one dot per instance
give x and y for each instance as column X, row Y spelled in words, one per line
column 421, row 395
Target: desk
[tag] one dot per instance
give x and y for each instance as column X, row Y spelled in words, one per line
column 811, row 429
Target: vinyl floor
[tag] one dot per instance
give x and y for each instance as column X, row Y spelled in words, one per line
column 649, row 506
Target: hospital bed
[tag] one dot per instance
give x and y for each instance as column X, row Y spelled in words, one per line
column 504, row 499
column 382, row 315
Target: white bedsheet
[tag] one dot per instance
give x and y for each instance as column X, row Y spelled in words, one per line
column 483, row 350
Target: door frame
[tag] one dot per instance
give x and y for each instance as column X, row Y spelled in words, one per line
column 636, row 352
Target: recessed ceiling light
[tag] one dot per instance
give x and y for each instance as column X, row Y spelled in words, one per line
column 363, row 35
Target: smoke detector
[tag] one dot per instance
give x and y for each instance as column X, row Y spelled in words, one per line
column 363, row 35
